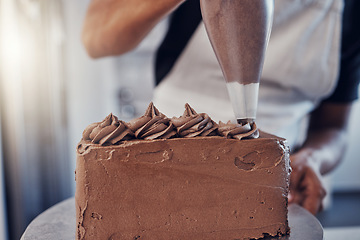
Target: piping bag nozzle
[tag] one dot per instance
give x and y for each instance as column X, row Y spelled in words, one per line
column 244, row 99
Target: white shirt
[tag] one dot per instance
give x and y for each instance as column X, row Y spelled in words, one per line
column 300, row 69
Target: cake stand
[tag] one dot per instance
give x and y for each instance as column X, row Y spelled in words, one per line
column 58, row 223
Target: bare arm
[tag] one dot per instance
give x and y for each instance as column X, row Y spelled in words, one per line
column 321, row 153
column 113, row 27
column 328, row 134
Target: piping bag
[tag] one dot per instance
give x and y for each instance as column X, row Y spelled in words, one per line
column 239, row 31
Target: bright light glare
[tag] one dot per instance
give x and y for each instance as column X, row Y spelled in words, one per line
column 11, row 45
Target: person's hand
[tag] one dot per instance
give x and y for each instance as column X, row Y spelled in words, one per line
column 306, row 187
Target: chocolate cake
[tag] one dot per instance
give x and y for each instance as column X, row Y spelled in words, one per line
column 182, row 178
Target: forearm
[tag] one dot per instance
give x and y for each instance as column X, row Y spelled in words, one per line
column 113, row 27
column 325, row 147
column 327, row 136
column 321, row 152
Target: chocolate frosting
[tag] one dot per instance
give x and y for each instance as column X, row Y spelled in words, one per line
column 152, row 125
column 183, row 188
column 155, row 125
column 192, row 124
column 109, row 131
column 238, row 131
column 238, row 32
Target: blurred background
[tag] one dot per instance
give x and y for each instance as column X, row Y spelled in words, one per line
column 50, row 90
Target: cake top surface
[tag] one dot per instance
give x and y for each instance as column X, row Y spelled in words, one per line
column 155, row 125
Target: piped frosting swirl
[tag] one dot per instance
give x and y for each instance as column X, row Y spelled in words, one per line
column 152, row 125
column 109, row 131
column 155, row 125
column 192, row 124
column 238, row 131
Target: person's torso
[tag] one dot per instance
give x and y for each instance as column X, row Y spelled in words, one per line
column 300, row 69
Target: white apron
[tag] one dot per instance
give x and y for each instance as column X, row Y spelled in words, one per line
column 300, row 69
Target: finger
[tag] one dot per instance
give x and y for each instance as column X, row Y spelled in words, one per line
column 290, row 198
column 296, row 197
column 312, row 204
column 314, row 193
column 295, row 193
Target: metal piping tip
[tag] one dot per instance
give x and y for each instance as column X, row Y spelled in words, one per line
column 244, row 121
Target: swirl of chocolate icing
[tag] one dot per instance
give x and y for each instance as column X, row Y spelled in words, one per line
column 238, row 131
column 152, row 125
column 110, row 131
column 192, row 124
